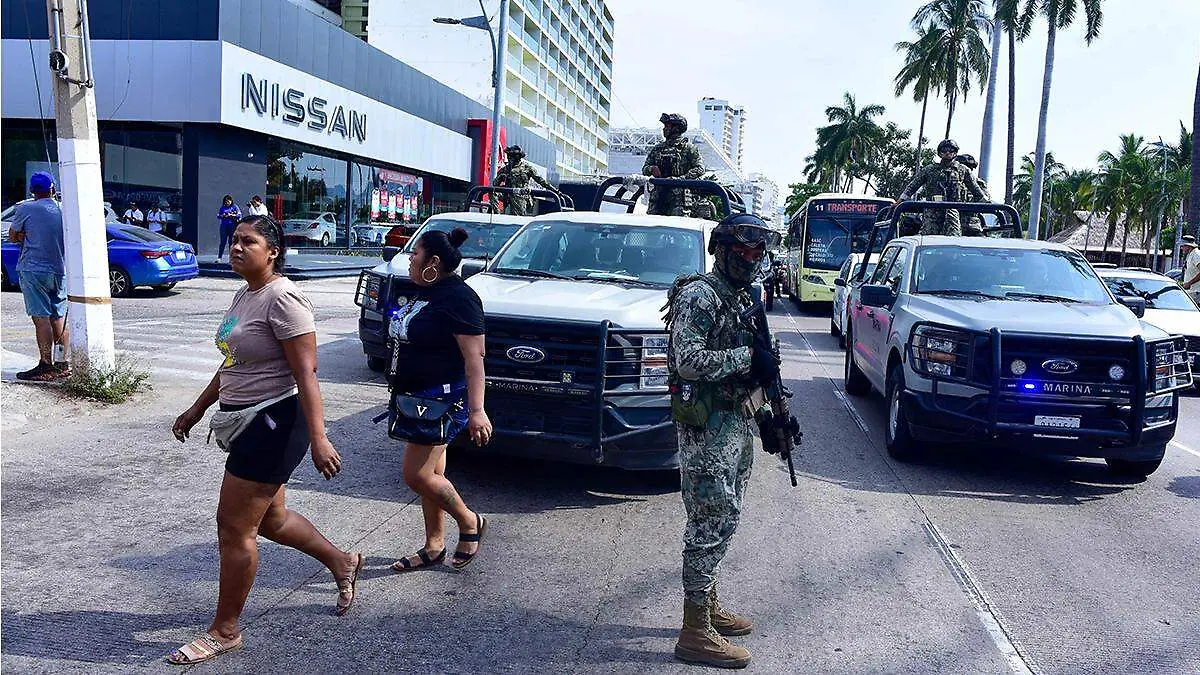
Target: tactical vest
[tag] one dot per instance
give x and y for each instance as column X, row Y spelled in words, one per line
column 694, row 402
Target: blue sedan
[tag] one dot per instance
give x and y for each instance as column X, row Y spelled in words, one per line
column 136, row 257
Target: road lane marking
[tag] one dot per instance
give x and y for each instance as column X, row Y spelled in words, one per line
column 985, row 611
column 1185, row 448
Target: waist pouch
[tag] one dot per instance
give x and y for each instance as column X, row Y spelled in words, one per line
column 692, row 403
column 227, row 425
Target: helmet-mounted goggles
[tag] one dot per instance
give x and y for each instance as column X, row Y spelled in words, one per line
column 748, row 230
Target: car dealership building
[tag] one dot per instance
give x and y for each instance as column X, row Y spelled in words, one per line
column 202, row 98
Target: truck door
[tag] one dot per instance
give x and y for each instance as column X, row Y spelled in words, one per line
column 882, row 325
column 865, row 320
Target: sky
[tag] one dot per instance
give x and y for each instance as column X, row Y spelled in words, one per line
column 787, row 60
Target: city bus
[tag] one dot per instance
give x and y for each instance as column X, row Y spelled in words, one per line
column 821, row 235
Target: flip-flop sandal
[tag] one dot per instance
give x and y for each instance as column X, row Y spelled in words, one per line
column 462, row 559
column 404, row 565
column 347, row 585
column 202, row 648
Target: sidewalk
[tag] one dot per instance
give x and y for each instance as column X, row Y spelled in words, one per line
column 300, row 266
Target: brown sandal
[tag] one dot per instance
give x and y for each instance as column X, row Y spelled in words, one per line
column 202, row 648
column 347, row 586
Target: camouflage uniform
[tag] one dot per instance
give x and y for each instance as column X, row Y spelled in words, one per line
column 951, row 181
column 675, row 157
column 710, row 347
column 974, row 225
column 519, row 174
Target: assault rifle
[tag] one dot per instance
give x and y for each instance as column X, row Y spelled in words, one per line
column 780, row 430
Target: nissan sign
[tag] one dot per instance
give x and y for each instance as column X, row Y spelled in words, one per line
column 296, row 107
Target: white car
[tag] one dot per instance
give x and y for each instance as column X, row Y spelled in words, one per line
column 312, row 227
column 1168, row 306
column 6, row 216
column 837, row 322
column 369, row 234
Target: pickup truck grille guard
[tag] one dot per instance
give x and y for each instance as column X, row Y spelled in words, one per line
column 1000, row 390
column 564, row 374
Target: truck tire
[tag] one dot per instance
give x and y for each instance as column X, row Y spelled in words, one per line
column 1137, row 468
column 855, row 383
column 900, row 442
column 377, row 364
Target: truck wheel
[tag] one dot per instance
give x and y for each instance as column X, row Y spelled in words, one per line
column 900, row 443
column 1139, row 468
column 377, row 364
column 856, row 383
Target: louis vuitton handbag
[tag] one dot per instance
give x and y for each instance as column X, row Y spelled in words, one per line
column 421, row 420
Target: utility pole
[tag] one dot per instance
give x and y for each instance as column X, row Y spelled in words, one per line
column 1162, row 214
column 500, row 48
column 82, row 193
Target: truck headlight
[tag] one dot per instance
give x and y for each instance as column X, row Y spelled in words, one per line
column 1169, row 366
column 940, row 351
column 654, row 361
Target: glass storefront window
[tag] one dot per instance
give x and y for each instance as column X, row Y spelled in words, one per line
column 144, row 167
column 307, row 194
column 25, row 150
column 383, row 198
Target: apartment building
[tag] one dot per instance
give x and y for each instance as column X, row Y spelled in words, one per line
column 726, row 123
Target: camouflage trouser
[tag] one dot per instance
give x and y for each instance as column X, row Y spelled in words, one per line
column 941, row 222
column 520, row 205
column 714, row 467
column 973, row 226
column 668, row 202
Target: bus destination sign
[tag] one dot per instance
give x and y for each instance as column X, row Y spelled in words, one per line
column 853, row 208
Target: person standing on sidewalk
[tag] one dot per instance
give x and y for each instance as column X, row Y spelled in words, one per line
column 257, row 207
column 714, row 362
column 1191, row 267
column 268, row 338
column 229, row 214
column 156, row 219
column 438, row 354
column 134, row 216
column 42, row 273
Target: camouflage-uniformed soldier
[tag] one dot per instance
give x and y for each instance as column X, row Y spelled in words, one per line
column 518, row 173
column 973, row 227
column 675, row 157
column 945, row 180
column 715, row 363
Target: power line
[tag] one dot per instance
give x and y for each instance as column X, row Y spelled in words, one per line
column 37, row 85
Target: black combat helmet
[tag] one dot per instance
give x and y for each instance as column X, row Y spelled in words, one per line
column 947, row 146
column 968, row 160
column 676, row 119
column 514, row 152
column 746, row 229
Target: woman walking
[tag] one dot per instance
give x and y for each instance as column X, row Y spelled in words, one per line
column 268, row 338
column 439, row 347
column 229, row 214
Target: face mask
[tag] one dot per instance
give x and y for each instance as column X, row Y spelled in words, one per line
column 671, row 132
column 735, row 268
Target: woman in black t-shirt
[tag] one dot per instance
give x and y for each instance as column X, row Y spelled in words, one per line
column 439, row 353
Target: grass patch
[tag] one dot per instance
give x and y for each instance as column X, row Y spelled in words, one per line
column 108, row 385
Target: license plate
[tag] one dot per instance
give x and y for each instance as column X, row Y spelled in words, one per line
column 1056, row 422
column 180, row 255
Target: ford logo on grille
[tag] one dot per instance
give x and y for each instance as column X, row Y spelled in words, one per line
column 522, row 354
column 1060, row 366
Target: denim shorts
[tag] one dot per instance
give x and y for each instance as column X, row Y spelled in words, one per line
column 45, row 293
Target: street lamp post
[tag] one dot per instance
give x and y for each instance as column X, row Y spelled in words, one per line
column 498, row 57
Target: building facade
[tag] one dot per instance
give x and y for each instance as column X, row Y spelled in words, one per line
column 558, row 70
column 628, row 147
column 763, row 195
column 726, row 123
column 200, row 99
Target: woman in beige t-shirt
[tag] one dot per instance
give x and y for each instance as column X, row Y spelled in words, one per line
column 268, row 339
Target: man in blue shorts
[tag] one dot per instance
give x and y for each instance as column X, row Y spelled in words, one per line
column 41, row 270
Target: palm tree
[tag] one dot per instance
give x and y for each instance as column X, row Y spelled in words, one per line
column 1171, row 184
column 1023, row 181
column 1008, row 13
column 1059, row 14
column 851, row 138
column 1122, row 188
column 957, row 27
column 920, row 71
column 989, row 107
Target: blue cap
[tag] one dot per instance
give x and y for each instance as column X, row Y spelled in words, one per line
column 41, row 181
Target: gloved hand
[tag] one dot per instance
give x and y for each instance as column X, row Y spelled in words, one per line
column 764, row 367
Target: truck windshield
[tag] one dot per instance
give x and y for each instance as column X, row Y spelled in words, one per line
column 1012, row 273
column 1158, row 293
column 483, row 239
column 650, row 255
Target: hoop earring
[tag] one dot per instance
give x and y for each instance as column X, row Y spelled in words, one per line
column 427, row 280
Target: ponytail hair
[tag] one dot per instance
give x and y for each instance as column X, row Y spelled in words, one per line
column 445, row 247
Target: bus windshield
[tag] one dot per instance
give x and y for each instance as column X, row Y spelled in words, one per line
column 829, row 240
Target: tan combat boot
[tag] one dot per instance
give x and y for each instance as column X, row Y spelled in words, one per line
column 725, row 621
column 700, row 643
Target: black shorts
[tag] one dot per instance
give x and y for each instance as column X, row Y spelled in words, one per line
column 272, row 446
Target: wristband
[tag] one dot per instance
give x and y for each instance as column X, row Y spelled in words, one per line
column 474, row 410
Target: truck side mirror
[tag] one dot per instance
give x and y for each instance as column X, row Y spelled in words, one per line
column 389, row 252
column 875, row 295
column 1135, row 305
column 839, row 282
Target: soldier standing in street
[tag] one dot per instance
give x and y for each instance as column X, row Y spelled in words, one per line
column 674, row 157
column 944, row 180
column 715, row 366
column 518, row 173
column 974, row 225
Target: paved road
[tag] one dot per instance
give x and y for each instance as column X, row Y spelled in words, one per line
column 966, row 562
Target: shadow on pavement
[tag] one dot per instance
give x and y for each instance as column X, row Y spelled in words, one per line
column 93, row 636
column 1185, row 486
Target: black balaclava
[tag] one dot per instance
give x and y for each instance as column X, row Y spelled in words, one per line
column 738, row 271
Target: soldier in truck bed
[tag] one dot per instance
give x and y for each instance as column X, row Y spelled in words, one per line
column 518, row 173
column 674, row 157
column 944, row 180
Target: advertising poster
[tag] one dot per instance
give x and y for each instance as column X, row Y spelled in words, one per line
column 404, row 190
